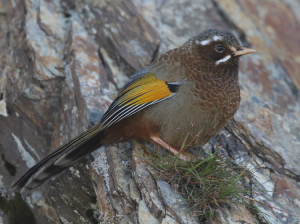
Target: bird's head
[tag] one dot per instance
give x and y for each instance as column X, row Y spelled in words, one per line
column 219, row 46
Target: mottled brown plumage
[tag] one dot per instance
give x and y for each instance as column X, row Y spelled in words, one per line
column 190, row 93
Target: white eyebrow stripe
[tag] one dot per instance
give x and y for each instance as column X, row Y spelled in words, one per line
column 216, row 38
column 203, row 42
column 223, row 59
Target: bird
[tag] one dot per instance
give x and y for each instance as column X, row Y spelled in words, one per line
column 188, row 94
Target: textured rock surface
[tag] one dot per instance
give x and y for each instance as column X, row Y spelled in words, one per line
column 62, row 63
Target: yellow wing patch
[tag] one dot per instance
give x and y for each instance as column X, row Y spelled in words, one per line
column 145, row 90
column 139, row 93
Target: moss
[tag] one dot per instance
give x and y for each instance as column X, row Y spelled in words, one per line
column 17, row 210
column 10, row 167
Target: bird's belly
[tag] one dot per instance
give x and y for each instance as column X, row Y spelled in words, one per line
column 179, row 120
column 181, row 123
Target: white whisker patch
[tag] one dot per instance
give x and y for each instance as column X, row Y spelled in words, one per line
column 203, row 42
column 223, row 59
column 216, row 38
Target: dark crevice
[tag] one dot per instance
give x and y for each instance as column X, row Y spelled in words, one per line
column 8, row 39
column 17, row 210
column 295, row 91
column 10, row 167
column 156, row 52
column 61, row 222
column 107, row 69
column 68, row 5
column 119, row 59
column 90, row 214
column 281, row 170
column 258, row 149
column 130, row 11
column 39, row 19
column 67, row 14
column 251, row 206
column 231, row 25
column 39, row 22
column 291, row 175
column 93, row 199
column 25, row 9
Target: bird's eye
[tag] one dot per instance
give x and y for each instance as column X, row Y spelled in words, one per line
column 219, row 48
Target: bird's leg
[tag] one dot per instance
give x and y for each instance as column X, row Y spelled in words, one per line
column 165, row 145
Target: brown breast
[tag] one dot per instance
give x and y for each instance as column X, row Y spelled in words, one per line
column 218, row 93
column 216, row 87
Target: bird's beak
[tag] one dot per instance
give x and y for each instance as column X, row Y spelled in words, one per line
column 243, row 51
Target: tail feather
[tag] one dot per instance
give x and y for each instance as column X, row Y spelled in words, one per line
column 62, row 158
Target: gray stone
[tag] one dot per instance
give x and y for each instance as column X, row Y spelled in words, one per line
column 62, row 63
column 175, row 204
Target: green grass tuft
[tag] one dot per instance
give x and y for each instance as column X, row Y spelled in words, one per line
column 207, row 182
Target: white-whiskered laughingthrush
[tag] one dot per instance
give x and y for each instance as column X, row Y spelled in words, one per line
column 192, row 90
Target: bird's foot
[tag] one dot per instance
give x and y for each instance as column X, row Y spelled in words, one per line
column 183, row 154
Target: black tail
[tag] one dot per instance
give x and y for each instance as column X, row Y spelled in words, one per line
column 61, row 159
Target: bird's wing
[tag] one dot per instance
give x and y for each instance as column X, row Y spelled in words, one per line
column 142, row 90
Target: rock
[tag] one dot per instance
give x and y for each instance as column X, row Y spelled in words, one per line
column 62, row 63
column 175, row 204
column 146, row 183
column 145, row 216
